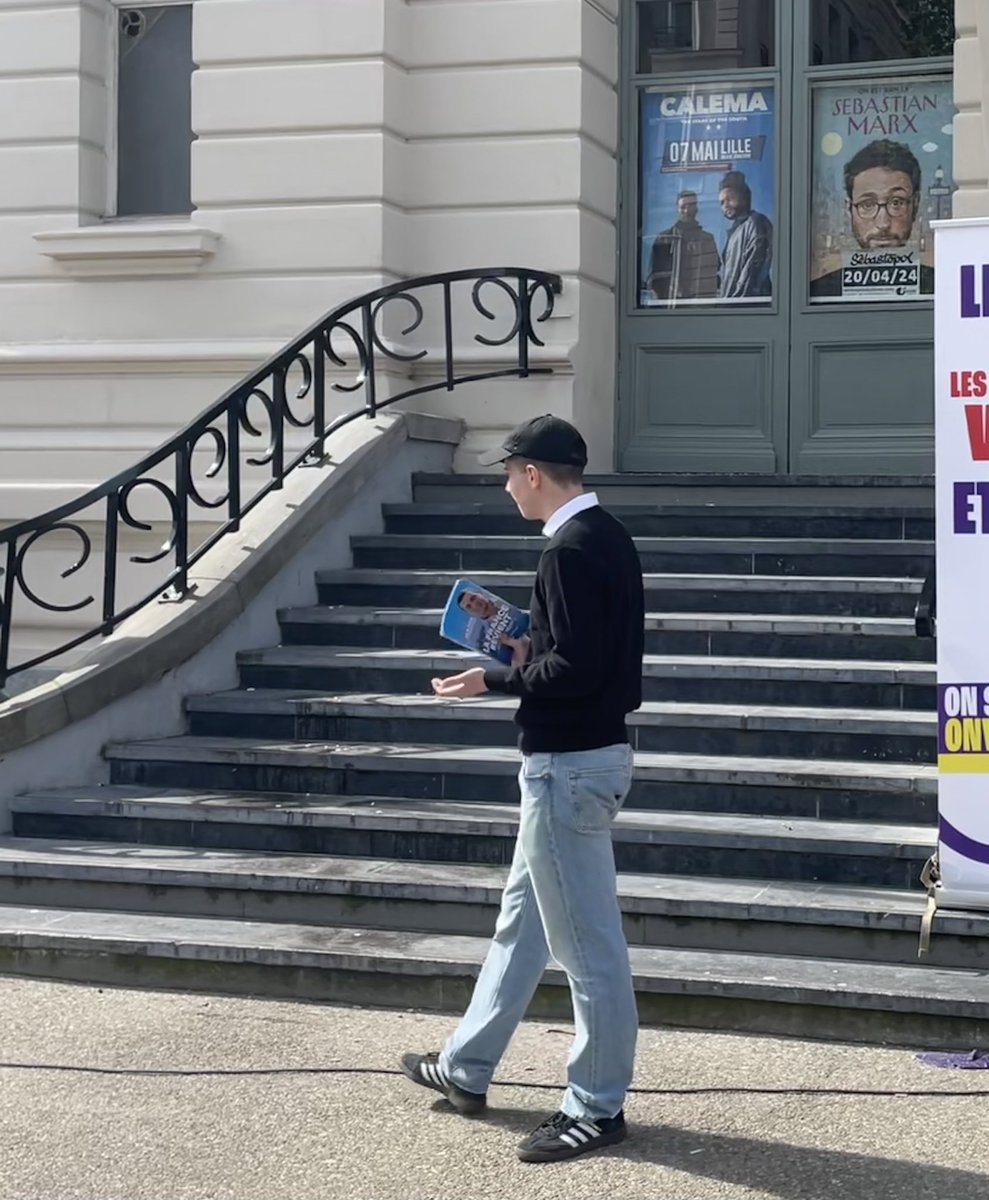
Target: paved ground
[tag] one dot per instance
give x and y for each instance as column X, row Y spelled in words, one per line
column 179, row 1097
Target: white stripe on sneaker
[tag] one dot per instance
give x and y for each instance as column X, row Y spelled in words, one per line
column 577, row 1132
column 571, row 1141
column 589, row 1128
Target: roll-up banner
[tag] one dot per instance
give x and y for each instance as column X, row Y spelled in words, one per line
column 962, row 474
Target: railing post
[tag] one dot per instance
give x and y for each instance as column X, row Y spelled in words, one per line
column 525, row 325
column 7, row 610
column 182, row 470
column 370, row 384
column 110, row 559
column 233, row 463
column 448, row 332
column 278, row 433
column 319, row 396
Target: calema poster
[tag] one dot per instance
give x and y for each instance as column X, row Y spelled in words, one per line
column 708, row 195
column 882, row 173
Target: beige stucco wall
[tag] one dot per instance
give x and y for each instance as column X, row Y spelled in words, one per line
column 972, row 99
column 340, row 145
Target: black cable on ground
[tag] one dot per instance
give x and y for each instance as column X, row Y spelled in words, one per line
column 247, row 1072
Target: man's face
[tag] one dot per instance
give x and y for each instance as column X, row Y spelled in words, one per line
column 731, row 202
column 519, row 485
column 883, row 208
column 687, row 208
column 478, row 606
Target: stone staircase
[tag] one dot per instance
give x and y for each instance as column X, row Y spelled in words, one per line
column 332, row 831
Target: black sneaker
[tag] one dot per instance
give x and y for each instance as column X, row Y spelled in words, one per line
column 562, row 1136
column 425, row 1070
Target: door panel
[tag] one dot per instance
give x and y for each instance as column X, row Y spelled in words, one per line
column 861, row 372
column 702, row 382
column 861, row 408
column 787, row 385
column 701, row 407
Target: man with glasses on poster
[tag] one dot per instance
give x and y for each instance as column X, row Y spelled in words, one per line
column 883, row 185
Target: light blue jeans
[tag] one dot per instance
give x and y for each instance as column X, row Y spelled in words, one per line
column 560, row 900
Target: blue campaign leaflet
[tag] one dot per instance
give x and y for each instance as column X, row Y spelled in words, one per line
column 708, row 195
column 477, row 619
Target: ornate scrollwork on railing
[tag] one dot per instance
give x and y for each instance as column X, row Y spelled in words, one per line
column 211, row 472
column 522, row 307
column 127, row 518
column 31, row 540
column 391, row 351
column 301, row 392
column 287, row 395
column 247, row 425
column 338, row 360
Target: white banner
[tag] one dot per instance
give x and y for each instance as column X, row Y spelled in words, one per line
column 962, row 471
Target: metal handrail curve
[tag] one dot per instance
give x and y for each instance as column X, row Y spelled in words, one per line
column 925, row 612
column 351, row 331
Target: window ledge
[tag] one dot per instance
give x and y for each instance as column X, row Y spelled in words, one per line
column 123, row 249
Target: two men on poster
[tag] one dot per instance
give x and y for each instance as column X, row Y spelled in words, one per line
column 703, row 147
column 881, row 174
column 687, row 265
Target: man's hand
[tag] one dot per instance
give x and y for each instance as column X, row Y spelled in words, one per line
column 460, row 687
column 520, row 649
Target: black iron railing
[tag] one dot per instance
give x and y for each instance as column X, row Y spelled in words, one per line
column 925, row 614
column 352, row 337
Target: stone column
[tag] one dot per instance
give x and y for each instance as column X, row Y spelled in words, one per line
column 508, row 114
column 972, row 99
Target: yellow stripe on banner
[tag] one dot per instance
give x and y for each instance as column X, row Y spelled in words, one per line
column 963, row 764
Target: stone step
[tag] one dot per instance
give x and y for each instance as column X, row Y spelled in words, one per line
column 705, row 556
column 674, row 520
column 719, row 635
column 875, row 1002
column 664, row 726
column 892, row 792
column 683, row 844
column 317, row 888
column 789, row 594
column 730, row 493
column 683, row 678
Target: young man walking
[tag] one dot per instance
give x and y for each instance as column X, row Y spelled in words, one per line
column 576, row 679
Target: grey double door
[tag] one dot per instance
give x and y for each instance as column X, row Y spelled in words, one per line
column 782, row 166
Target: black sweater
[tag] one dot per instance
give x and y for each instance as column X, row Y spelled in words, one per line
column 584, row 672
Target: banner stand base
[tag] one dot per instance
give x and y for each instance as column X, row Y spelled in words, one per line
column 949, row 897
column 944, row 899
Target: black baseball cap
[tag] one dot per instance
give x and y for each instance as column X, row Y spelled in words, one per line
column 546, row 439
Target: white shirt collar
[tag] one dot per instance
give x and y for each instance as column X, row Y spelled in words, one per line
column 572, row 507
